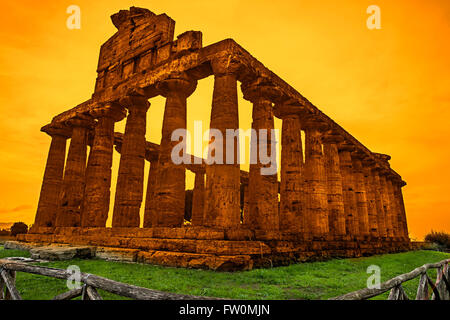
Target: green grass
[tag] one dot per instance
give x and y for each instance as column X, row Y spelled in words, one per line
column 315, row 280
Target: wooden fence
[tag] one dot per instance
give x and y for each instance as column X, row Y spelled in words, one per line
column 440, row 290
column 88, row 290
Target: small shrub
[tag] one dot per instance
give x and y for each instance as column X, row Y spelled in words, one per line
column 442, row 239
column 18, row 228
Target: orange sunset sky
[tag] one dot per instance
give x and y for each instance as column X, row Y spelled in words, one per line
column 389, row 88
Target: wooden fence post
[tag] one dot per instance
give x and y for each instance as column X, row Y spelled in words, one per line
column 398, row 293
column 446, row 279
column 393, row 295
column 84, row 293
column 9, row 277
column 422, row 289
column 2, row 289
column 435, row 295
column 403, row 295
column 92, row 293
column 441, row 283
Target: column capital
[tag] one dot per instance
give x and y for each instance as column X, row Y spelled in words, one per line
column 286, row 110
column 359, row 155
column 196, row 168
column 177, row 83
column 332, row 138
column 225, row 65
column 135, row 99
column 383, row 157
column 109, row 110
column 384, row 164
column 261, row 89
column 81, row 120
column 369, row 162
column 346, row 146
column 150, row 155
column 397, row 180
column 57, row 130
column 312, row 122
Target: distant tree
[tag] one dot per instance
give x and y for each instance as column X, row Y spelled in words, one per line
column 442, row 239
column 4, row 232
column 18, row 228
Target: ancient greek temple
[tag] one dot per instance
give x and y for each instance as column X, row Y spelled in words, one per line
column 336, row 198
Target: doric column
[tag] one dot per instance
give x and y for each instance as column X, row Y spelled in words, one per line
column 336, row 212
column 246, row 203
column 72, row 193
column 371, row 198
column 263, row 186
column 390, row 207
column 348, row 188
column 98, row 171
column 398, row 184
column 53, row 176
column 379, row 204
column 360, row 191
column 396, row 227
column 386, row 203
column 315, row 178
column 170, row 190
column 292, row 204
column 129, row 189
column 150, row 199
column 222, row 208
column 198, row 198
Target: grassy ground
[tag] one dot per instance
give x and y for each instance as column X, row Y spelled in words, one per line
column 317, row 280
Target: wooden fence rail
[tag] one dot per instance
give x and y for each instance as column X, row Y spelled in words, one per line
column 440, row 288
column 88, row 290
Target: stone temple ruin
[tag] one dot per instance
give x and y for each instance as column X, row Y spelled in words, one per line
column 342, row 200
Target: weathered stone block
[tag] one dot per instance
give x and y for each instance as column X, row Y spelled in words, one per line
column 61, row 252
column 222, row 263
column 17, row 245
column 239, row 234
column 233, row 247
column 116, row 254
column 163, row 53
column 41, row 230
column 267, row 235
column 189, row 40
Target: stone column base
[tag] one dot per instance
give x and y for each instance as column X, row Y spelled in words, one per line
column 247, row 248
